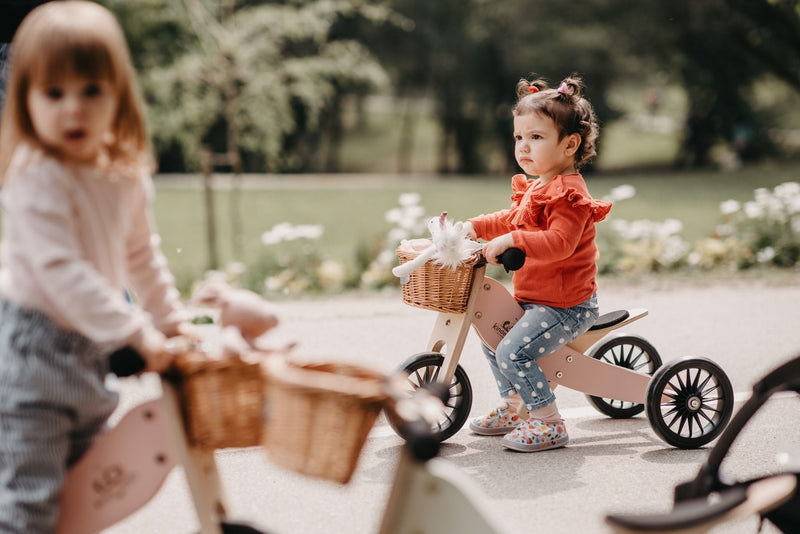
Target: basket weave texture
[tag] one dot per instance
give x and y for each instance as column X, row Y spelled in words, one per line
column 319, row 416
column 222, row 400
column 437, row 288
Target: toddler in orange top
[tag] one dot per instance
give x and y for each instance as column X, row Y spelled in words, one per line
column 552, row 220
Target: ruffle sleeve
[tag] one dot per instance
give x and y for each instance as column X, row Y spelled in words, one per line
column 599, row 208
column 528, row 205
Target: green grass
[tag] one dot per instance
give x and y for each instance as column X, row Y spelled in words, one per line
column 352, row 207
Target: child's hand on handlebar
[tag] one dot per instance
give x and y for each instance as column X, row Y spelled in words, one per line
column 151, row 345
column 497, row 246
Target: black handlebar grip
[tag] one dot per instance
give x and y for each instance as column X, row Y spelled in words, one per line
column 126, row 361
column 421, row 443
column 512, row 258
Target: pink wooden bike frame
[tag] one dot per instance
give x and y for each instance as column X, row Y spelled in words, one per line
column 492, row 311
column 127, row 466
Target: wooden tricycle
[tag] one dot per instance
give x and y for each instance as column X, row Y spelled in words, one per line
column 688, row 401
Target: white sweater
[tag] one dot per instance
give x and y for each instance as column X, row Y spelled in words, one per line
column 74, row 238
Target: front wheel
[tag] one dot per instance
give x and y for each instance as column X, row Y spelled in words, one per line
column 425, row 368
column 689, row 402
column 630, row 352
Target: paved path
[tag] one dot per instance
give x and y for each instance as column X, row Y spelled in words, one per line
column 747, row 326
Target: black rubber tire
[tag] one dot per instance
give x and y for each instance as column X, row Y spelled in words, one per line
column 424, row 368
column 700, row 402
column 630, row 352
column 229, row 527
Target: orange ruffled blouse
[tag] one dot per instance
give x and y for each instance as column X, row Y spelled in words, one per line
column 554, row 226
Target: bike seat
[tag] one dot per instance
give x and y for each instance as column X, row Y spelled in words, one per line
column 610, row 319
column 684, row 515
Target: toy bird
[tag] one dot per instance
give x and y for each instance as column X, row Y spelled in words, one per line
column 450, row 246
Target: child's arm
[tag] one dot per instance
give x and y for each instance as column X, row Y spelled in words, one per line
column 489, row 226
column 567, row 224
column 148, row 273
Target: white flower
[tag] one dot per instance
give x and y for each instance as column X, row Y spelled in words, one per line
column 673, row 251
column 408, row 199
column 787, row 191
column 765, row 254
column 288, row 232
column 621, row 192
column 394, row 215
column 753, row 210
column 729, row 207
column 278, row 233
column 670, row 227
column 308, row 231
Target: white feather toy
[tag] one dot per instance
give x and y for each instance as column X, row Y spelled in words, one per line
column 450, row 246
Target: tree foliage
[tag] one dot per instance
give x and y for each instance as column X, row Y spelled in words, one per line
column 276, row 71
column 266, row 72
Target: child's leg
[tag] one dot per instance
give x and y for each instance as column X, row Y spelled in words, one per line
column 34, row 446
column 504, row 386
column 508, row 413
column 52, row 401
column 541, row 331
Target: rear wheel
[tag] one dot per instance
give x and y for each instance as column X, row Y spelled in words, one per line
column 425, row 368
column 689, row 402
column 630, row 352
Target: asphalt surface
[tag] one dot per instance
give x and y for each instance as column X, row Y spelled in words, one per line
column 747, row 326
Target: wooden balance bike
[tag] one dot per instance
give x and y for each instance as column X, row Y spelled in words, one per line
column 127, row 465
column 688, row 401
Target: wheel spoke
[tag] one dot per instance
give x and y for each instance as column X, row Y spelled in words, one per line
column 628, row 358
column 699, row 423
column 680, row 382
column 677, row 416
column 706, row 392
column 707, row 418
column 695, row 380
column 419, row 379
column 702, row 385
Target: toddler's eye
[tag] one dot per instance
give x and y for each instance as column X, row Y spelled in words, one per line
column 92, row 89
column 518, row 137
column 54, row 93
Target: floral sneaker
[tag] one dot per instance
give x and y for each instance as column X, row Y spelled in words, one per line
column 501, row 420
column 537, row 435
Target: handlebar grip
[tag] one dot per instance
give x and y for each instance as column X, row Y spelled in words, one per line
column 512, row 259
column 126, row 361
column 421, row 442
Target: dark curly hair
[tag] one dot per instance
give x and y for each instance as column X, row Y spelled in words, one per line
column 566, row 106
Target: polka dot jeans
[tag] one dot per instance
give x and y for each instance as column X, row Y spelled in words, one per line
column 540, row 331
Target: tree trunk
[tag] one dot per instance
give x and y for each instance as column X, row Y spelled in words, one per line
column 208, row 197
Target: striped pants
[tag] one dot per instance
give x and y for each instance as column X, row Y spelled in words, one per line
column 53, row 402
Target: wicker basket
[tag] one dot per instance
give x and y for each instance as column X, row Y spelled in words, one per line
column 222, row 400
column 436, row 288
column 318, row 416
